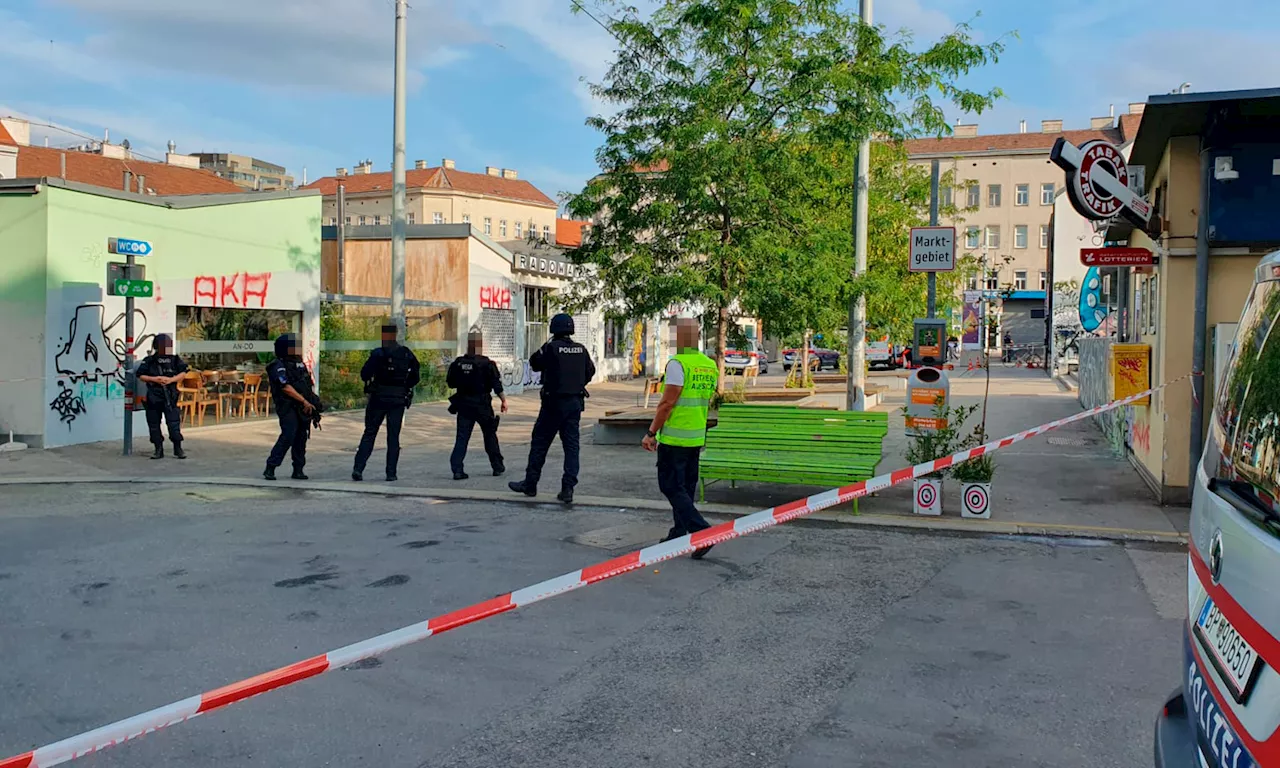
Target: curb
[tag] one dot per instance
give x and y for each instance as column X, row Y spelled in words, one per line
column 972, row 527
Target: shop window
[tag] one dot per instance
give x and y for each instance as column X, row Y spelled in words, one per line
column 615, row 337
column 222, row 339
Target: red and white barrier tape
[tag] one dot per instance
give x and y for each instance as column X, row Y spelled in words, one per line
column 181, row 711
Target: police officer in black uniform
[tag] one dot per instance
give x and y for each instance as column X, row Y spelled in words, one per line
column 161, row 371
column 566, row 368
column 389, row 376
column 477, row 380
column 297, row 406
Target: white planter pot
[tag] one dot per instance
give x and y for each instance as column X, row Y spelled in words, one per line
column 927, row 499
column 977, row 500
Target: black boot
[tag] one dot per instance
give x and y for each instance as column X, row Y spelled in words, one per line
column 269, row 473
column 520, row 486
column 357, row 475
column 158, row 453
column 565, row 495
column 391, row 477
column 499, row 471
column 298, row 474
column 178, row 453
column 460, row 475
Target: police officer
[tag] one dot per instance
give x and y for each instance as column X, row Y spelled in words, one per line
column 161, row 371
column 566, row 368
column 679, row 430
column 389, row 376
column 477, row 380
column 297, row 406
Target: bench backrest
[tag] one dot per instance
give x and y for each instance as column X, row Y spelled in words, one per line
column 791, row 429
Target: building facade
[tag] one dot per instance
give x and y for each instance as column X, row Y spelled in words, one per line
column 1004, row 188
column 497, row 203
column 228, row 272
column 246, row 172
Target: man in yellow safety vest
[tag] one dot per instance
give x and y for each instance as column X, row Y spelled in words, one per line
column 679, row 429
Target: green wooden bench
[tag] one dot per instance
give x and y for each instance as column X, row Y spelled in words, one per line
column 794, row 446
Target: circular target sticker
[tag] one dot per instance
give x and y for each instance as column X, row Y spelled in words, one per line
column 926, row 495
column 975, row 500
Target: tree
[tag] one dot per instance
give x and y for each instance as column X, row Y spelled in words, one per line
column 717, row 167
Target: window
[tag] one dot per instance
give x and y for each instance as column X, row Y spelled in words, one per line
column 519, row 230
column 377, row 220
column 437, row 218
column 361, row 221
column 974, row 193
column 502, row 228
column 348, row 221
column 546, row 232
column 993, row 280
column 972, row 237
column 946, row 197
column 1022, row 194
column 1020, row 236
column 1020, row 280
column 615, row 335
column 993, row 237
column 1153, row 299
column 1044, row 235
column 1044, row 280
column 973, row 282
column 488, row 225
column 466, row 218
column 1046, row 194
column 993, row 195
column 333, row 221
column 411, row 217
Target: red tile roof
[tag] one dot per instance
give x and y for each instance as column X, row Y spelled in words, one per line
column 5, row 138
column 99, row 171
column 437, row 178
column 569, row 232
column 1006, row 142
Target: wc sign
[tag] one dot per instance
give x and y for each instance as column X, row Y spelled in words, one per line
column 933, row 249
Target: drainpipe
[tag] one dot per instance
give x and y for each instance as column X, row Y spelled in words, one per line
column 342, row 238
column 1201, row 317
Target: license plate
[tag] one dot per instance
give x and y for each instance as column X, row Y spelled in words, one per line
column 1236, row 661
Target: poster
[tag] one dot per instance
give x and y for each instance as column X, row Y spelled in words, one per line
column 1131, row 371
column 972, row 322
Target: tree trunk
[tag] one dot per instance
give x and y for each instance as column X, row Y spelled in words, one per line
column 722, row 338
column 804, row 360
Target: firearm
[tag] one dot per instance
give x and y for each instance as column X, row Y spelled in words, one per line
column 317, row 408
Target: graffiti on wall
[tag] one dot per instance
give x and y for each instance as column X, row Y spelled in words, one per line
column 518, row 373
column 495, row 297
column 68, row 405
column 242, row 290
column 637, row 349
column 90, row 352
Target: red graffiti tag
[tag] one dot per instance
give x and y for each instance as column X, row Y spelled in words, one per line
column 1141, row 437
column 495, row 297
column 231, row 290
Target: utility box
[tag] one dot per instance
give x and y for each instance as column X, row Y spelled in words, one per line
column 924, row 387
column 929, row 345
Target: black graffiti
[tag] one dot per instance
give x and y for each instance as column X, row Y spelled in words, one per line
column 68, row 405
column 90, row 352
column 518, row 373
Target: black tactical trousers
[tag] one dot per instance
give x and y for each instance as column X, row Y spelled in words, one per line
column 558, row 416
column 156, row 410
column 374, row 413
column 468, row 418
column 295, row 430
column 678, row 481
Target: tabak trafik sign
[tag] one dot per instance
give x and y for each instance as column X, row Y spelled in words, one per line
column 1098, row 182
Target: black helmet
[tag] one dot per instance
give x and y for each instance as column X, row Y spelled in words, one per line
column 161, row 340
column 283, row 342
column 562, row 324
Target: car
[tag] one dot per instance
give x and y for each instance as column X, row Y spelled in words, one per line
column 880, row 354
column 738, row 360
column 825, row 358
column 1226, row 710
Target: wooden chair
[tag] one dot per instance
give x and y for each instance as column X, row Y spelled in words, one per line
column 264, row 393
column 188, row 390
column 247, row 396
column 203, row 398
column 231, row 385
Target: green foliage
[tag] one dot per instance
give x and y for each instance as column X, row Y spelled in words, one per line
column 738, row 394
column 944, row 441
column 979, row 470
column 726, row 177
column 339, row 370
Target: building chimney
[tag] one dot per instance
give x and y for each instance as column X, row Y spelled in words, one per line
column 182, row 161
column 1051, row 126
column 1099, row 123
column 366, row 167
column 1111, row 110
column 489, row 169
column 342, row 172
column 961, row 131
column 507, row 173
column 1022, row 126
column 142, row 184
column 448, row 164
column 128, row 181
column 1136, row 107
column 420, row 165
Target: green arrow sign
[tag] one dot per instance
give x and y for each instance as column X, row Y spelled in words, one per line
column 138, row 289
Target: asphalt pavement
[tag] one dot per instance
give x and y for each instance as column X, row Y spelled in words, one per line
column 798, row 646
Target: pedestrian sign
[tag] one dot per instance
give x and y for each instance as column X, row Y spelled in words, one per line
column 127, row 247
column 138, row 289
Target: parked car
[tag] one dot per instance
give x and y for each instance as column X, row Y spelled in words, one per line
column 1226, row 710
column 826, row 358
column 737, row 360
column 880, row 354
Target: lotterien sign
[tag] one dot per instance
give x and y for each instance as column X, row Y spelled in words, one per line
column 933, row 249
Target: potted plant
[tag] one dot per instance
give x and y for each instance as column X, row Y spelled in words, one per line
column 975, row 478
column 930, row 445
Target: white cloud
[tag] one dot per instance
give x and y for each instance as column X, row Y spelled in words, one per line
column 927, row 24
column 342, row 45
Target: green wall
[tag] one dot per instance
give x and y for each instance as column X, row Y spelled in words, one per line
column 23, row 244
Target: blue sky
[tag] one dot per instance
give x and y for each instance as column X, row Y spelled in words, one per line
column 307, row 83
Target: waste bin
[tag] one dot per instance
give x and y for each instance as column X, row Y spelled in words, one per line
column 924, row 387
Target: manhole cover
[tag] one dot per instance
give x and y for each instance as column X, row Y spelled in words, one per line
column 620, row 536
column 1072, row 441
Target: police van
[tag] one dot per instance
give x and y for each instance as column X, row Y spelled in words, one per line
column 1227, row 710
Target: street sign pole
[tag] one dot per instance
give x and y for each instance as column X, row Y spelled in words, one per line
column 933, row 222
column 130, row 262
